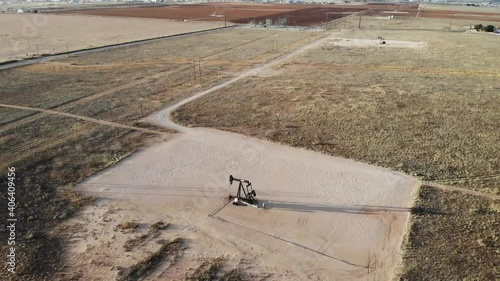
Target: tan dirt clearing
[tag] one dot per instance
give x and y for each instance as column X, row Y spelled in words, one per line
column 324, row 216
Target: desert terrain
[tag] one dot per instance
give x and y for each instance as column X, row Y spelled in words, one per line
column 419, row 104
column 370, row 161
column 186, row 179
column 29, row 35
column 346, row 222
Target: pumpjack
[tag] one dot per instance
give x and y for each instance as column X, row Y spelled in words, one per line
column 246, row 194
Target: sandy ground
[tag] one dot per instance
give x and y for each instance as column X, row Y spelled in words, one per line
column 326, row 218
column 31, row 34
column 350, row 42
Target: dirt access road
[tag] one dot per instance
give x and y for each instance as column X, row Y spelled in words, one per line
column 325, row 217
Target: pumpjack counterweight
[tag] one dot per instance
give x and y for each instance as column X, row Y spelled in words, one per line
column 246, row 194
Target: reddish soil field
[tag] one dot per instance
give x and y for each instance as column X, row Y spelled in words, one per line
column 202, row 12
column 242, row 12
column 302, row 15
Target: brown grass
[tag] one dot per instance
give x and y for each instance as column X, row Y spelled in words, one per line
column 212, row 269
column 207, row 271
column 143, row 268
column 53, row 153
column 431, row 113
column 126, row 225
column 159, row 225
column 141, row 240
column 453, row 236
column 44, row 182
column 440, row 130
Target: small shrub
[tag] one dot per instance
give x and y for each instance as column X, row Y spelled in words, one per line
column 158, row 226
column 488, row 28
column 128, row 225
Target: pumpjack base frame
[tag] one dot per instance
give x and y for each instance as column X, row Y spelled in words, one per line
column 245, row 195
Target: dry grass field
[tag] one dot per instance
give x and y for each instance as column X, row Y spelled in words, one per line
column 342, row 100
column 453, row 236
column 56, row 149
column 27, row 35
column 431, row 112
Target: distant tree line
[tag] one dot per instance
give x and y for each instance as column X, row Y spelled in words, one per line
column 487, row 28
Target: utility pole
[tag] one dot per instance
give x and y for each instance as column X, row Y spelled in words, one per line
column 29, row 47
column 37, row 49
column 326, row 21
column 225, row 19
column 140, row 101
column 199, row 67
column 359, row 24
column 194, row 69
column 67, row 50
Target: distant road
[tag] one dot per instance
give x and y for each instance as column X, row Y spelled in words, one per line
column 7, row 65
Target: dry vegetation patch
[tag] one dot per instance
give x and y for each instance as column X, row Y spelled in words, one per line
column 453, row 236
column 431, row 112
column 141, row 240
column 444, row 50
column 143, row 268
column 45, row 197
column 434, row 127
column 128, row 225
column 207, row 271
column 212, row 269
column 52, row 153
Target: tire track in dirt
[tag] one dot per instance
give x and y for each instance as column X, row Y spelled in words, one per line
column 63, row 106
column 461, row 190
column 288, row 241
column 303, row 222
column 66, row 105
column 36, row 145
column 401, row 69
column 490, row 176
column 84, row 118
column 329, row 241
column 15, row 156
